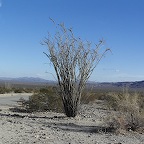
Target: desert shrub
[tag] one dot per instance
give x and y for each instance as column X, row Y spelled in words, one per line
column 141, row 102
column 126, row 121
column 22, row 90
column 18, row 90
column 125, row 101
column 129, row 106
column 28, row 90
column 4, row 90
column 113, row 100
column 45, row 100
column 88, row 97
column 38, row 102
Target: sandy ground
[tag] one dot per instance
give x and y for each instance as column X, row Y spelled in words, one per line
column 12, row 98
column 87, row 127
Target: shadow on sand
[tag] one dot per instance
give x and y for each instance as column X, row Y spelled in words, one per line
column 65, row 125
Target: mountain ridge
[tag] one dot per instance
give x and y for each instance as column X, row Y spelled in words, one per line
column 25, row 79
column 133, row 84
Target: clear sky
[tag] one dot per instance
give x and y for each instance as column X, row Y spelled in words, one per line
column 24, row 24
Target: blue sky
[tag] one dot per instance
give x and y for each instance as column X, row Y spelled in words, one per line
column 24, row 24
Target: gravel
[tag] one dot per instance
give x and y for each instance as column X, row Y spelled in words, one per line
column 56, row 128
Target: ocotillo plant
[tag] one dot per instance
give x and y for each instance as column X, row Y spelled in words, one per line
column 74, row 61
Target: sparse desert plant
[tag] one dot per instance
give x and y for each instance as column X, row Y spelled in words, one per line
column 113, row 100
column 88, row 96
column 4, row 90
column 74, row 61
column 126, row 121
column 18, row 90
column 131, row 115
column 15, row 90
column 44, row 100
column 141, row 102
column 28, row 90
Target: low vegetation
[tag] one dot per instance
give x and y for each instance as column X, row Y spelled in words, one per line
column 130, row 108
column 47, row 99
column 126, row 105
column 44, row 99
column 4, row 90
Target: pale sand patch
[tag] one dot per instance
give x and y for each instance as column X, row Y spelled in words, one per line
column 56, row 128
column 15, row 94
column 9, row 100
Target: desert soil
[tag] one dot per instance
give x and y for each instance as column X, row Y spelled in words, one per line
column 88, row 127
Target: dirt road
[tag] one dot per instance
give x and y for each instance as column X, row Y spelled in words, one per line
column 12, row 98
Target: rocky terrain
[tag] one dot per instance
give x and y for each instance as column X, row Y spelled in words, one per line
column 88, row 127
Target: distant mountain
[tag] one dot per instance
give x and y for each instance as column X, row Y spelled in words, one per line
column 5, row 78
column 138, row 84
column 26, row 80
column 37, row 80
column 133, row 85
column 30, row 79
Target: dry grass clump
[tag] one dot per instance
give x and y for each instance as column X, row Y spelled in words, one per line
column 88, row 97
column 91, row 94
column 126, row 122
column 131, row 111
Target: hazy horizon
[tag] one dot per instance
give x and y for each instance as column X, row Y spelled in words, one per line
column 7, row 78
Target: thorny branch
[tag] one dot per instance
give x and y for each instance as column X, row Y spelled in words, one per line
column 73, row 61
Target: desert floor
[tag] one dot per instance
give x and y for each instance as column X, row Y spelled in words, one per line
column 88, row 127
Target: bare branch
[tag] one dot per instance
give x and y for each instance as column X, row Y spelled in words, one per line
column 73, row 61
